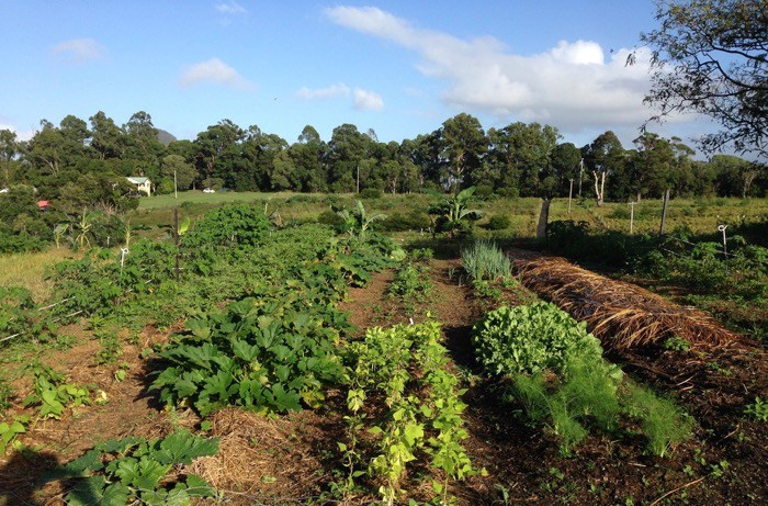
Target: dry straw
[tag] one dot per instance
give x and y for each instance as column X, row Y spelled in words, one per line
column 621, row 315
column 259, row 459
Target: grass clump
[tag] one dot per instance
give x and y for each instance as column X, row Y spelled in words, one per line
column 484, row 260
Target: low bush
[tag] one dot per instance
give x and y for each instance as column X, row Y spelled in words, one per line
column 235, row 225
column 412, row 281
column 370, row 193
column 560, row 377
column 257, row 354
column 498, row 222
column 134, row 470
column 401, row 222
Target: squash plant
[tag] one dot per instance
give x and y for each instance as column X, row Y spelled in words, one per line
column 264, row 357
column 134, row 470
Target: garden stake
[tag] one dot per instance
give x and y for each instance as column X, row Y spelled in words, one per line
column 123, row 252
column 721, row 228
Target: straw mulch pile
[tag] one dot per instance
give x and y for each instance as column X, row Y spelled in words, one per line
column 260, row 460
column 621, row 315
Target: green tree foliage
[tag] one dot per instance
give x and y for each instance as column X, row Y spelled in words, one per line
column 141, row 142
column 604, row 158
column 184, row 172
column 710, row 58
column 462, row 144
column 106, row 136
column 9, row 149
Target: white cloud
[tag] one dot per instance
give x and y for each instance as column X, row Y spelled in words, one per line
column 230, row 8
column 213, row 71
column 571, row 86
column 78, row 50
column 334, row 90
column 367, row 100
column 362, row 99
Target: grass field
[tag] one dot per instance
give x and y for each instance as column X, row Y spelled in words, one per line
column 198, row 197
column 28, row 270
column 700, row 215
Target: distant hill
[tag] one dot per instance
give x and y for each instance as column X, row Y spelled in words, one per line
column 165, row 137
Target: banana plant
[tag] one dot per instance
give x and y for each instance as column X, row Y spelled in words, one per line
column 453, row 212
column 58, row 233
column 358, row 222
column 83, row 229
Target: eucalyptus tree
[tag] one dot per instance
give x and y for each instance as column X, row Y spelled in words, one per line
column 463, row 144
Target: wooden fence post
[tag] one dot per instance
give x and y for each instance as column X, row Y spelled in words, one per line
column 664, row 213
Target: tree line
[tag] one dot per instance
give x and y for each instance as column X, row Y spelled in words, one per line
column 78, row 162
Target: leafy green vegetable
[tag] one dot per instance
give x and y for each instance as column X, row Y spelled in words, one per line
column 530, row 339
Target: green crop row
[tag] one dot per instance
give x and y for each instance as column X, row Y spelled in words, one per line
column 421, row 417
column 557, row 372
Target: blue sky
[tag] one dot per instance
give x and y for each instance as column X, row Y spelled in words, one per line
column 400, row 68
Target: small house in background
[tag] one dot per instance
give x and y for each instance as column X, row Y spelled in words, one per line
column 43, row 205
column 142, row 184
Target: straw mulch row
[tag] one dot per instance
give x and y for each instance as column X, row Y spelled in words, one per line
column 621, row 315
column 264, row 460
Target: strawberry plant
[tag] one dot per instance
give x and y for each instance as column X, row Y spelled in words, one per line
column 138, row 471
column 9, row 431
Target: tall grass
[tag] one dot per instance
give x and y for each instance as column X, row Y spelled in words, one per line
column 28, row 270
column 484, row 260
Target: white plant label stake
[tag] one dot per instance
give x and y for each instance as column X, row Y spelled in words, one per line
column 722, row 228
column 123, row 252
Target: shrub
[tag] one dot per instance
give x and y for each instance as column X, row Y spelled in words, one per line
column 400, row 222
column 593, row 392
column 214, row 183
column 412, row 281
column 370, row 193
column 233, row 225
column 134, row 470
column 529, row 339
column 498, row 222
column 560, row 377
column 484, row 260
column 16, row 310
column 484, row 191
